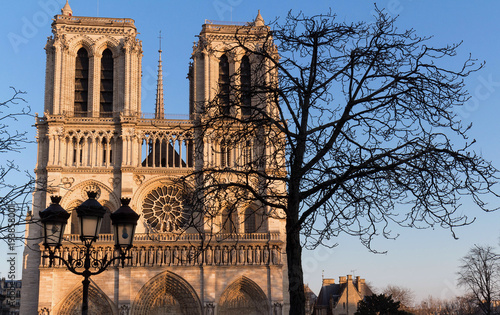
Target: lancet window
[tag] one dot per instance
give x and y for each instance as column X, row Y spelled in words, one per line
column 246, row 86
column 250, row 223
column 224, row 85
column 106, row 93
column 229, row 221
column 225, row 154
column 247, row 153
column 86, row 148
column 106, row 222
column 163, row 149
column 81, row 83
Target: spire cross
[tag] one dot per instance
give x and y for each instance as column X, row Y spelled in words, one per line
column 160, row 41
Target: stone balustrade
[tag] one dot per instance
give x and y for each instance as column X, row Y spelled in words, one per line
column 180, row 237
column 177, row 255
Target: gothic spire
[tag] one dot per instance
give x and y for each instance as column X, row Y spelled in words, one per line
column 160, row 106
column 66, row 10
column 259, row 21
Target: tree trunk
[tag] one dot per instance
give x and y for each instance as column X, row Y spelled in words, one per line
column 294, row 259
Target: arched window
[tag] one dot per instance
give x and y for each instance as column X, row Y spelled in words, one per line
column 229, row 221
column 246, row 86
column 107, row 152
column 106, row 108
column 75, row 227
column 247, row 153
column 224, row 85
column 73, row 221
column 81, row 83
column 106, row 223
column 225, row 154
column 250, row 222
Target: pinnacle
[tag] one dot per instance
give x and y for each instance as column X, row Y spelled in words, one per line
column 66, row 10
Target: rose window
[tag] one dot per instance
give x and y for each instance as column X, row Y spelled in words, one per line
column 163, row 209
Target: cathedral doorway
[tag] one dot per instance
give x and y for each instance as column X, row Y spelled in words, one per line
column 243, row 297
column 167, row 293
column 98, row 303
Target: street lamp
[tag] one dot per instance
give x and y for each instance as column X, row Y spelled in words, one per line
column 54, row 220
column 90, row 214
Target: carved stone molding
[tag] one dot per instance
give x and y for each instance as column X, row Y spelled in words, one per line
column 67, row 182
column 44, row 311
column 209, row 308
column 114, row 181
column 139, row 179
column 278, row 308
column 91, row 187
column 125, row 309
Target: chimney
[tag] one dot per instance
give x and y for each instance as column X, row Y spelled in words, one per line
column 349, row 278
column 360, row 283
column 328, row 282
column 342, row 280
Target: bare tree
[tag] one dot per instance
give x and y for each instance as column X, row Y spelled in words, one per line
column 479, row 274
column 463, row 305
column 460, row 305
column 349, row 129
column 400, row 294
column 14, row 193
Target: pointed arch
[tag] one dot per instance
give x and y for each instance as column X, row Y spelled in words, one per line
column 81, row 82
column 246, row 86
column 107, row 42
column 99, row 303
column 243, row 297
column 106, row 90
column 81, row 41
column 229, row 220
column 224, row 85
column 255, row 219
column 250, row 220
column 73, row 227
column 167, row 291
column 78, row 192
column 106, row 227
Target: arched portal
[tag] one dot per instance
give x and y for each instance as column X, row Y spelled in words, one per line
column 243, row 297
column 167, row 293
column 98, row 303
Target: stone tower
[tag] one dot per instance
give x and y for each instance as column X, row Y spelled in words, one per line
column 93, row 137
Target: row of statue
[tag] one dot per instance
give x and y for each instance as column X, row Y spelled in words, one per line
column 209, row 309
column 177, row 255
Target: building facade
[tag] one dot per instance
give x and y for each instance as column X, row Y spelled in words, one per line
column 94, row 137
column 10, row 296
column 341, row 298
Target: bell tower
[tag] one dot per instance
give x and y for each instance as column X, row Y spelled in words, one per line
column 221, row 62
column 92, row 94
column 93, row 67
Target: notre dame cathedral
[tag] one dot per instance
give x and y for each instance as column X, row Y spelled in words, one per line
column 94, row 137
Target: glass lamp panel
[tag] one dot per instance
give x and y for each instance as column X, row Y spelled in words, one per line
column 124, row 234
column 53, row 233
column 90, row 226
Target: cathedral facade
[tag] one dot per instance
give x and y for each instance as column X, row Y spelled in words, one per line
column 94, row 137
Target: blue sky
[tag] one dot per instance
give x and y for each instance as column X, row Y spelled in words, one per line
column 424, row 260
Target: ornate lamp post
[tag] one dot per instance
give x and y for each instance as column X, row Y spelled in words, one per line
column 90, row 214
